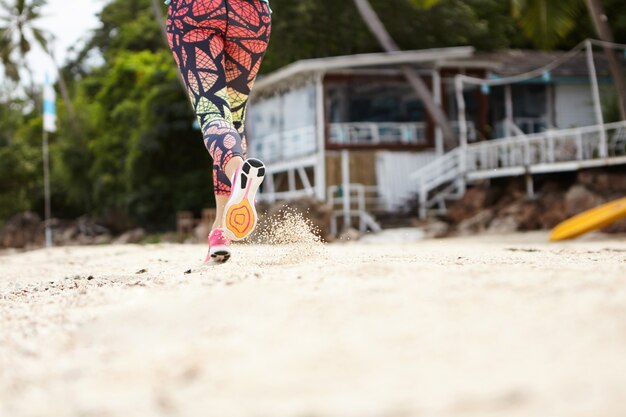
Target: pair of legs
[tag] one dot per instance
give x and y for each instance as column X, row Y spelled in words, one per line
column 218, row 46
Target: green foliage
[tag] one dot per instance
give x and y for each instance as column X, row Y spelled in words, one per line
column 319, row 28
column 141, row 157
column 547, row 22
column 17, row 33
column 20, row 159
column 126, row 26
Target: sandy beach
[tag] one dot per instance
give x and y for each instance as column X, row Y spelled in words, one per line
column 488, row 326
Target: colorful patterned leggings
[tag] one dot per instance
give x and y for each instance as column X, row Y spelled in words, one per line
column 218, row 46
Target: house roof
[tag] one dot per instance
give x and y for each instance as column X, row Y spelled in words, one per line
column 503, row 63
column 515, row 62
column 324, row 65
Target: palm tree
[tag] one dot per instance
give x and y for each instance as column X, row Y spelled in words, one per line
column 601, row 25
column 375, row 25
column 16, row 34
column 18, row 30
column 546, row 22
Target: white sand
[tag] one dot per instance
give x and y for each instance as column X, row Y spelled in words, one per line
column 497, row 326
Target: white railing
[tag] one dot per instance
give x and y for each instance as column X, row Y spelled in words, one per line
column 548, row 148
column 285, row 145
column 387, row 133
column 442, row 170
column 550, row 151
column 366, row 133
column 360, row 199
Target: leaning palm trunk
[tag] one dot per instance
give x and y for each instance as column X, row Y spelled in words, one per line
column 158, row 15
column 65, row 94
column 598, row 16
column 378, row 30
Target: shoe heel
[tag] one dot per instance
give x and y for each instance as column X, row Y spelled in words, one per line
column 240, row 212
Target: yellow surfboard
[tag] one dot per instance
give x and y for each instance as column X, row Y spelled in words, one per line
column 589, row 220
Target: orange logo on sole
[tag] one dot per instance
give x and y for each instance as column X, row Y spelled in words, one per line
column 240, row 219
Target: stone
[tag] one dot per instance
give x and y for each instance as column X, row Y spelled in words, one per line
column 472, row 202
column 132, row 236
column 434, row 229
column 617, row 227
column 528, row 218
column 21, row 231
column 578, row 199
column 475, row 224
column 603, row 181
column 88, row 227
column 503, row 225
column 551, row 206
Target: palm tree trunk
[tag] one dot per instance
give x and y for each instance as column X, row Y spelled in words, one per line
column 158, row 15
column 65, row 94
column 377, row 28
column 598, row 16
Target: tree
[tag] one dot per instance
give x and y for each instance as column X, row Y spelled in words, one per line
column 139, row 160
column 600, row 22
column 17, row 34
column 20, row 157
column 380, row 32
column 547, row 22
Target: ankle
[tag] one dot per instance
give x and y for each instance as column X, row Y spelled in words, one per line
column 232, row 166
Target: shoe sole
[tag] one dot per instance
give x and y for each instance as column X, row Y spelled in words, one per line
column 241, row 216
column 219, row 254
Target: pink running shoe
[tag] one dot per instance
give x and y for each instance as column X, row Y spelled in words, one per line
column 219, row 250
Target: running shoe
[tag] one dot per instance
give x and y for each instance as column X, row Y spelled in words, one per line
column 240, row 214
column 219, row 250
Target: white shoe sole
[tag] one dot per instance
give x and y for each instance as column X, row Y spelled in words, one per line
column 240, row 212
column 219, row 254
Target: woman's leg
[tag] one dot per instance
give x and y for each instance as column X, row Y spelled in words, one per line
column 247, row 38
column 196, row 35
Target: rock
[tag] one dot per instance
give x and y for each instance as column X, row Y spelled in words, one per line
column 551, row 206
column 102, row 239
column 617, row 227
column 579, row 199
column 82, row 231
column 132, row 236
column 528, row 218
column 435, row 229
column 21, row 231
column 115, row 221
column 67, row 236
column 522, row 212
column 88, row 227
column 475, row 224
column 172, row 237
column 603, row 181
column 503, row 225
column 472, row 202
